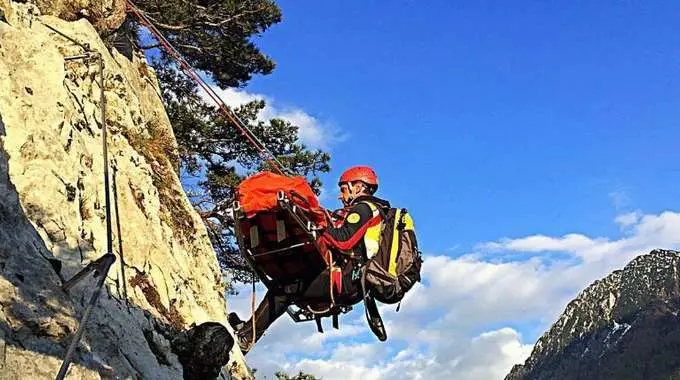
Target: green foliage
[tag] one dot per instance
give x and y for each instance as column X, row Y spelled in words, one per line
column 211, row 149
column 215, row 35
column 300, row 376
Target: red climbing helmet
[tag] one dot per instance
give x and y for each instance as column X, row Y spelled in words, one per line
column 360, row 173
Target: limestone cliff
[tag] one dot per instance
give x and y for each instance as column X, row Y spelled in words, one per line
column 52, row 211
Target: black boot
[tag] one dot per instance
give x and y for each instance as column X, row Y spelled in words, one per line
column 244, row 340
column 235, row 322
column 243, row 334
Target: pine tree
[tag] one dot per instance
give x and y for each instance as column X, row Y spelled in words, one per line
column 216, row 38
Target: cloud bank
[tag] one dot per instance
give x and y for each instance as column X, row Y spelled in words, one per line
column 313, row 132
column 473, row 317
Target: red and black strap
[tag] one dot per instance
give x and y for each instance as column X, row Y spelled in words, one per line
column 347, row 235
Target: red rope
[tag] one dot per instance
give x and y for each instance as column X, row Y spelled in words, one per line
column 188, row 70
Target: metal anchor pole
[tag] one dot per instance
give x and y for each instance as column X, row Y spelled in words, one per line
column 101, row 266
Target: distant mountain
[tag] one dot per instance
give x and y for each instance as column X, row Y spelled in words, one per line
column 625, row 326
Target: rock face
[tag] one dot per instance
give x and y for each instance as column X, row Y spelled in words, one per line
column 52, row 219
column 625, row 326
column 105, row 15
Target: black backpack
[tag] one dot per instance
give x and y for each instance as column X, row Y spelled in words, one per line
column 395, row 268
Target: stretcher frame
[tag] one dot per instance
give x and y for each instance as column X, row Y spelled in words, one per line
column 298, row 311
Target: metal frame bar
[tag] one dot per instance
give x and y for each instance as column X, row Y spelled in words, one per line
column 245, row 252
column 281, row 249
column 296, row 313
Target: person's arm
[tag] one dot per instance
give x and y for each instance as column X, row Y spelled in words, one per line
column 330, row 217
column 344, row 237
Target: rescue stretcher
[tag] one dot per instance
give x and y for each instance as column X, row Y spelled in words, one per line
column 280, row 242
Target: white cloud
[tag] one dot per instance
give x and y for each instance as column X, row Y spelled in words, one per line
column 462, row 320
column 361, row 353
column 490, row 355
column 647, row 232
column 620, row 199
column 234, row 98
column 628, row 220
column 314, row 133
column 487, row 356
column 539, row 243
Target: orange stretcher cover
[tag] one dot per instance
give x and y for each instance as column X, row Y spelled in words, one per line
column 258, row 193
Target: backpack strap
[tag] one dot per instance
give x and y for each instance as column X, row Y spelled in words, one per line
column 382, row 212
column 373, row 318
column 401, row 223
column 335, row 322
column 319, row 328
column 365, row 294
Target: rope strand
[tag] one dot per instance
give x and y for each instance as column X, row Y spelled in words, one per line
column 252, row 307
column 264, row 152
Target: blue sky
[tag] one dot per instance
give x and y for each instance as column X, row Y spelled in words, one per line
column 492, row 122
column 494, row 118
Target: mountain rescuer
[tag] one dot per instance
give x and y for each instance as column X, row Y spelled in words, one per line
column 353, row 237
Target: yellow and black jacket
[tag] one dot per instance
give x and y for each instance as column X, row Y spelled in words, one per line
column 357, row 232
